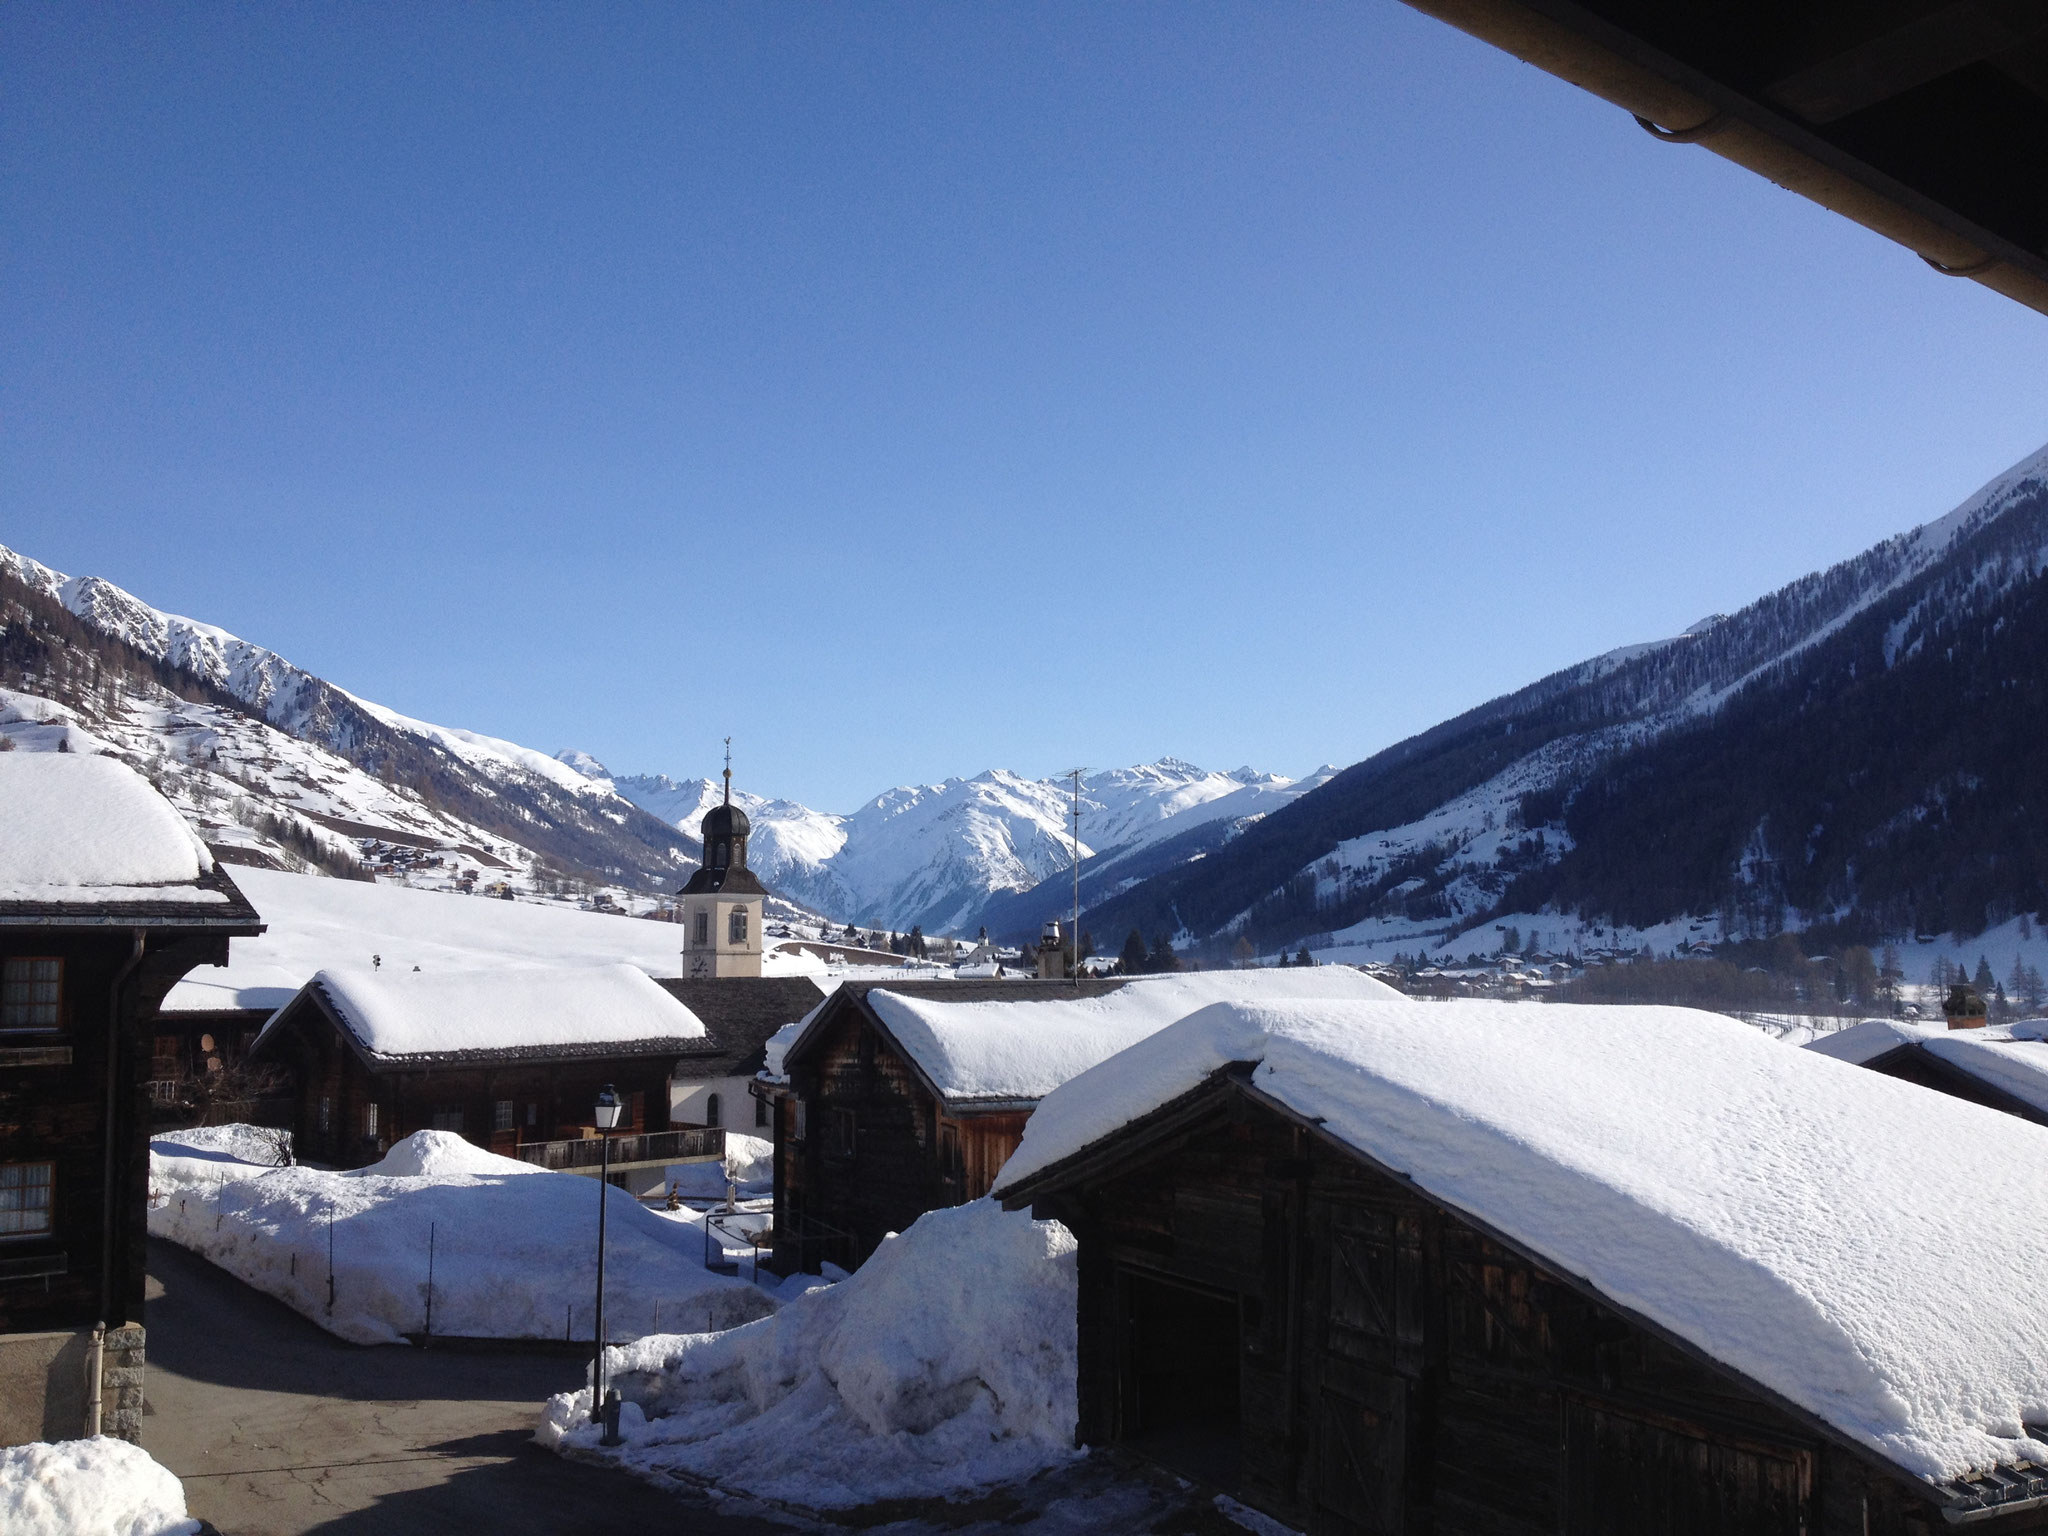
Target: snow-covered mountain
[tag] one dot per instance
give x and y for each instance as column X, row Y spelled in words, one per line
column 935, row 854
column 1692, row 777
column 277, row 766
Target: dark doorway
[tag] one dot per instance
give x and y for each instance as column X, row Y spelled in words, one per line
column 1182, row 1377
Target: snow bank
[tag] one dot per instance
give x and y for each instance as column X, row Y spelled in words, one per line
column 749, row 1159
column 946, row 1363
column 514, row 1247
column 2012, row 1057
column 226, row 1144
column 1816, row 1227
column 97, row 1487
column 416, row 1013
column 83, row 828
column 1023, row 1048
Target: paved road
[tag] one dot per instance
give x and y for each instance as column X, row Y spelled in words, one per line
column 278, row 1428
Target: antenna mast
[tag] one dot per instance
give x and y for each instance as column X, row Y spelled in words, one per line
column 1075, row 850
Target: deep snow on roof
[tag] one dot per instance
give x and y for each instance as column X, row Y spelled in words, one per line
column 2011, row 1057
column 78, row 828
column 1024, row 1047
column 316, row 921
column 425, row 1013
column 1825, row 1231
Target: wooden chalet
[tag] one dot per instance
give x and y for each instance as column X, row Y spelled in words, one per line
column 512, row 1060
column 1317, row 1282
column 106, row 900
column 2003, row 1067
column 901, row 1097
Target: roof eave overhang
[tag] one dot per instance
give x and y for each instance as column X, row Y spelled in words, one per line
column 1565, row 40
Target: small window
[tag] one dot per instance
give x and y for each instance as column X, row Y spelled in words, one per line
column 501, row 1115
column 799, row 1120
column 370, row 1121
column 326, row 1114
column 25, row 1198
column 760, row 1113
column 737, row 928
column 532, row 1115
column 448, row 1119
column 720, row 854
column 711, row 1109
column 843, row 1128
column 703, row 927
column 31, row 988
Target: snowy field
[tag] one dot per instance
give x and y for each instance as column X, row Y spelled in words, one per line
column 945, row 1364
column 511, row 1248
column 317, row 922
column 98, row 1487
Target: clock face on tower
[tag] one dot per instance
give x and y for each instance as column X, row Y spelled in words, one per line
column 700, row 965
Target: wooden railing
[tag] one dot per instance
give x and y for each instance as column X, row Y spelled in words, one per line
column 585, row 1154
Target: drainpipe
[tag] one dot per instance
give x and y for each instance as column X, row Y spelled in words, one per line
column 107, row 1195
column 95, row 1365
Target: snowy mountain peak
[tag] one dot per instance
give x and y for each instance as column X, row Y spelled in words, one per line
column 584, row 763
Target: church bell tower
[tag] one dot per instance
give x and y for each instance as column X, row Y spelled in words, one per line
column 722, row 904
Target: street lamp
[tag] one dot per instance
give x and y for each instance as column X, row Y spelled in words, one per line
column 609, row 1108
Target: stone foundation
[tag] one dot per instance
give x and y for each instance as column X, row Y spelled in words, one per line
column 121, row 1383
column 45, row 1385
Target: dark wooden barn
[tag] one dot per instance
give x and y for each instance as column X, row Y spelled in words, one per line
column 866, row 1141
column 83, row 965
column 873, row 1129
column 1268, row 1309
column 533, row 1094
column 2002, row 1068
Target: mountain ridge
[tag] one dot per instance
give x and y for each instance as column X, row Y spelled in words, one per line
column 1430, row 833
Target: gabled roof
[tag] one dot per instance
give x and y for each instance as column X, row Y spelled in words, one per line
column 86, row 842
column 2011, row 1059
column 997, row 1046
column 1817, row 1231
column 400, row 1019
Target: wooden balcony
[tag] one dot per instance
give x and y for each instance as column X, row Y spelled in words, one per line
column 653, row 1149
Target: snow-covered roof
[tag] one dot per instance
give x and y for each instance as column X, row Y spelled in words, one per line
column 393, row 1013
column 2011, row 1057
column 78, row 829
column 1820, row 1229
column 1021, row 1048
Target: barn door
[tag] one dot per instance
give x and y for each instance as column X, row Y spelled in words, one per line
column 1626, row 1474
column 1360, row 1452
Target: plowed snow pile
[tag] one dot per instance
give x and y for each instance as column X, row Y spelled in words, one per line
column 946, row 1363
column 97, row 1487
column 512, row 1249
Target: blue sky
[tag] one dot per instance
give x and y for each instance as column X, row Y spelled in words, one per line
column 910, row 390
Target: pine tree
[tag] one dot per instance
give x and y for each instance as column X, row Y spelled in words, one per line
column 1163, row 957
column 1981, row 978
column 1133, row 957
column 1304, row 958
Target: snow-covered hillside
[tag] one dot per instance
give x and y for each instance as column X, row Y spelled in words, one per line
column 279, row 768
column 1432, row 833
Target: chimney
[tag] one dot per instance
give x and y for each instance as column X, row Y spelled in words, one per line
column 1964, row 1009
column 1052, row 953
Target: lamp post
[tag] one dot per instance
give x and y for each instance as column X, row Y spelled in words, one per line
column 608, row 1111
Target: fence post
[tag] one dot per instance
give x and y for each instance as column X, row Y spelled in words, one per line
column 330, row 1260
column 431, row 1229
